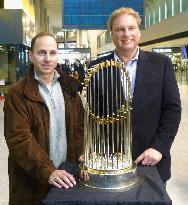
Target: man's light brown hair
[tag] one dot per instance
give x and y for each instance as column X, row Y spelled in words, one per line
column 120, row 12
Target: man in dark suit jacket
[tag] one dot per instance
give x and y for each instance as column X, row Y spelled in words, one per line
column 156, row 103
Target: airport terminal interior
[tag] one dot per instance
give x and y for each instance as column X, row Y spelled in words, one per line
column 80, row 29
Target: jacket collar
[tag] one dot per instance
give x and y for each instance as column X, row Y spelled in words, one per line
column 31, row 90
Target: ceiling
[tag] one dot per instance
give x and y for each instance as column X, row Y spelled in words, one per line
column 54, row 11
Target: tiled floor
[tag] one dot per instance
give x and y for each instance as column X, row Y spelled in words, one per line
column 3, row 162
column 178, row 184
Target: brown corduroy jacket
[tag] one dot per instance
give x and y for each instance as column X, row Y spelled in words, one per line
column 26, row 129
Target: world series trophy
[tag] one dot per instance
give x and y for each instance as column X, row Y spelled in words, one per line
column 107, row 128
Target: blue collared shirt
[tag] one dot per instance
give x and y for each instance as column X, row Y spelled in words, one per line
column 131, row 67
column 54, row 99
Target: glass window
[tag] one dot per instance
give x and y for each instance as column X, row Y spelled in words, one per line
column 13, row 63
column 169, row 8
column 159, row 8
column 98, row 42
column 181, row 9
column 162, row 10
column 7, row 64
column 146, row 20
column 107, row 37
column 172, row 7
column 149, row 19
column 165, row 15
column 157, row 14
column 184, row 5
column 1, row 3
column 176, row 7
column 147, row 16
column 152, row 13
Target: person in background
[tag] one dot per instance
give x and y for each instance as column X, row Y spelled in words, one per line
column 43, row 126
column 156, row 102
column 67, row 67
column 79, row 73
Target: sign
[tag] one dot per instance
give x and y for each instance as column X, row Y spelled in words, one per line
column 87, row 14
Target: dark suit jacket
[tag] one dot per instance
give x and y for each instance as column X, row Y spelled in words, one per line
column 156, row 107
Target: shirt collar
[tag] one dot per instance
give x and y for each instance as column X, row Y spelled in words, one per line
column 56, row 76
column 135, row 57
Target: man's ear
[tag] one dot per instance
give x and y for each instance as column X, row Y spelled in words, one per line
column 31, row 56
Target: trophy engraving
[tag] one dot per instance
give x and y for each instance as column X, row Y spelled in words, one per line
column 107, row 128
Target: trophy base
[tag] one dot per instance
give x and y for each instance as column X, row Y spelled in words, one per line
column 111, row 180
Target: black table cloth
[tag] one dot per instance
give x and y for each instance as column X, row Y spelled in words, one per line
column 149, row 190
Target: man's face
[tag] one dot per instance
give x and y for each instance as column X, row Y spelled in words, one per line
column 44, row 55
column 125, row 33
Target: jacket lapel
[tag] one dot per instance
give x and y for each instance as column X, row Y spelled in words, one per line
column 140, row 77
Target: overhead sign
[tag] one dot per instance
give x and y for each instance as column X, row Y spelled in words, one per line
column 94, row 14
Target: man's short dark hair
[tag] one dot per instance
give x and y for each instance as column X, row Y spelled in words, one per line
column 40, row 35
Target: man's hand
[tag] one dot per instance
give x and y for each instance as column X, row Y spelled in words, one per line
column 84, row 175
column 61, row 178
column 149, row 157
column 81, row 158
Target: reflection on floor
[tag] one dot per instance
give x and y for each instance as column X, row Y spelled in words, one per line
column 177, row 186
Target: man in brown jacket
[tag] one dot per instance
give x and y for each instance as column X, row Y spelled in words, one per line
column 43, row 126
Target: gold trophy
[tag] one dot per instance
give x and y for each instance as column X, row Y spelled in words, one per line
column 107, row 128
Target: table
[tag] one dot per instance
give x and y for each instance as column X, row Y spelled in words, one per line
column 149, row 190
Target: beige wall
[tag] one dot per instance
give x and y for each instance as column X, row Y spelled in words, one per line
column 106, row 48
column 42, row 22
column 172, row 43
column 82, row 40
column 92, row 38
